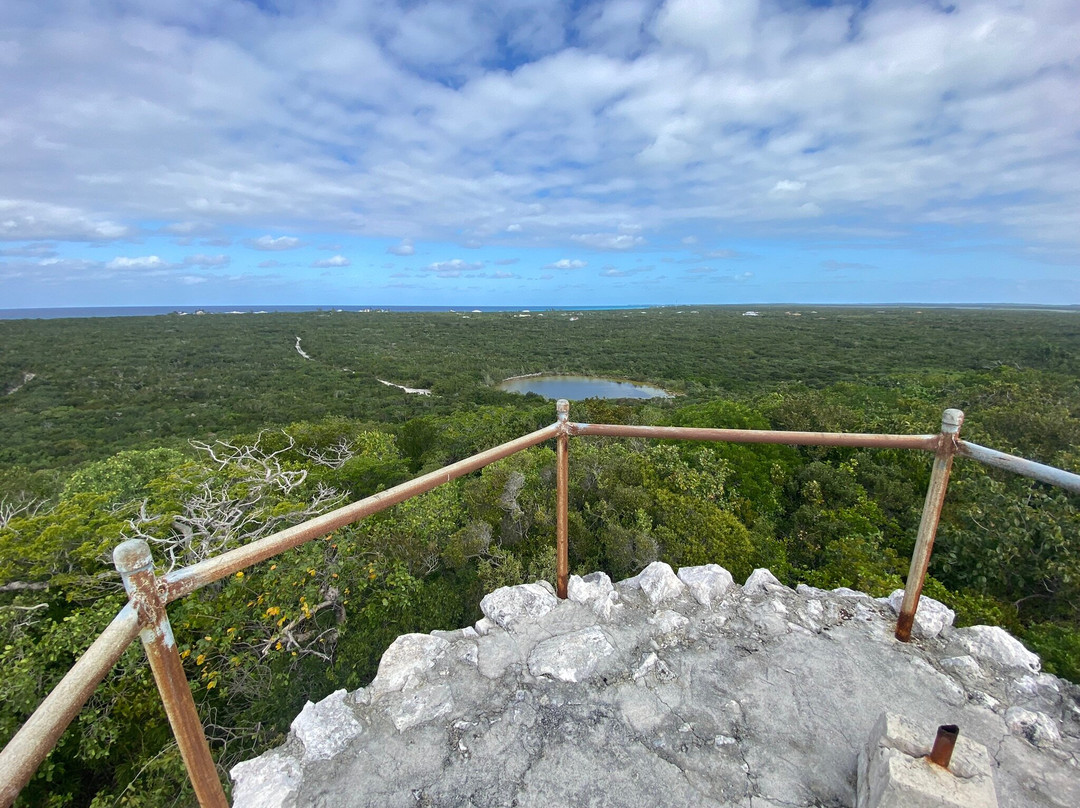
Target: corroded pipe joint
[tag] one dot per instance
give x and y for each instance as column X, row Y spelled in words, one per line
column 941, row 754
column 135, row 564
column 133, row 561
column 951, row 421
column 131, row 556
column 562, row 410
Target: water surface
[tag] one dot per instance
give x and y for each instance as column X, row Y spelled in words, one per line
column 577, row 388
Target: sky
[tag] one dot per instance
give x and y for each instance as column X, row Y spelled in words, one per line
column 531, row 153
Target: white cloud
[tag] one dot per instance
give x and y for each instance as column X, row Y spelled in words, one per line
column 722, row 254
column 271, row 243
column 404, row 248
column 25, row 220
column 453, row 268
column 624, row 272
column 187, row 228
column 567, row 263
column 335, row 261
column 200, row 260
column 40, row 250
column 477, row 122
column 833, row 265
column 139, row 262
column 788, row 186
column 616, row 27
column 608, row 241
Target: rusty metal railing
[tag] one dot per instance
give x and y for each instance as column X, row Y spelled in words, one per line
column 145, row 614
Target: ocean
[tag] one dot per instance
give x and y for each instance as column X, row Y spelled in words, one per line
column 154, row 311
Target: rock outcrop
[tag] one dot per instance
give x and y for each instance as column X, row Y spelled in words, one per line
column 669, row 690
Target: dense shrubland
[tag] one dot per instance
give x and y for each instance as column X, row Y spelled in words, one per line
column 199, row 435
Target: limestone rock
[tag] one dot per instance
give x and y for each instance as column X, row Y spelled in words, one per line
column 483, row 626
column 1037, row 727
column 595, row 590
column 764, row 699
column 964, row 668
column 893, row 771
column 325, row 728
column 762, row 580
column 997, row 645
column 496, row 652
column 931, row 617
column 707, row 583
column 647, row 664
column 658, row 581
column 421, row 706
column 270, row 781
column 571, row 657
column 407, row 658
column 509, row 604
column 668, row 624
column 847, row 592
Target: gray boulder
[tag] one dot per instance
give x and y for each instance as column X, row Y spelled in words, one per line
column 510, row 604
column 707, row 583
column 994, row 644
column 931, row 616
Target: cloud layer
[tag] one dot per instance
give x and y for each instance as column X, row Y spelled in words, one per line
column 617, row 126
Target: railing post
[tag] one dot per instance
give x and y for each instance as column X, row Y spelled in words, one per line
column 562, row 498
column 931, row 514
column 135, row 564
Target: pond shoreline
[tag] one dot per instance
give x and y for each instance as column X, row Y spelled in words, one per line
column 576, row 387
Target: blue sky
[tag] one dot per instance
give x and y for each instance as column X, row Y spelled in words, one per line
column 539, row 153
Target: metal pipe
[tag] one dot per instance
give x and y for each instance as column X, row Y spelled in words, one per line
column 858, row 439
column 184, row 581
column 36, row 738
column 1018, row 465
column 951, row 421
column 135, row 564
column 941, row 754
column 562, row 499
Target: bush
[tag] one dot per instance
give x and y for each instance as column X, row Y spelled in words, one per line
column 1059, row 647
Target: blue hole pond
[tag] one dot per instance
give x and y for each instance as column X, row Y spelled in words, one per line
column 577, row 388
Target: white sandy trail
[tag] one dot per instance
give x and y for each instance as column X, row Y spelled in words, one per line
column 25, row 378
column 417, row 390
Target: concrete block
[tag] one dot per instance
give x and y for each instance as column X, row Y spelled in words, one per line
column 895, row 772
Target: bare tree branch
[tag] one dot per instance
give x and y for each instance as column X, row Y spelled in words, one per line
column 334, row 456
column 11, row 508
column 235, row 503
column 305, row 643
column 24, row 586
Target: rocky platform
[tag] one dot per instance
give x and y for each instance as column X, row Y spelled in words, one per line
column 668, row 690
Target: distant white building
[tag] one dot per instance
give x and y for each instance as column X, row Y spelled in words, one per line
column 750, row 314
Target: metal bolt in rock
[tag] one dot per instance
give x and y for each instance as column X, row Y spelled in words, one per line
column 941, row 754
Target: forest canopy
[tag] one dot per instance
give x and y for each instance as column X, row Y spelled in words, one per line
column 203, row 433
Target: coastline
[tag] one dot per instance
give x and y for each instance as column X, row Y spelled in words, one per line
column 44, row 313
